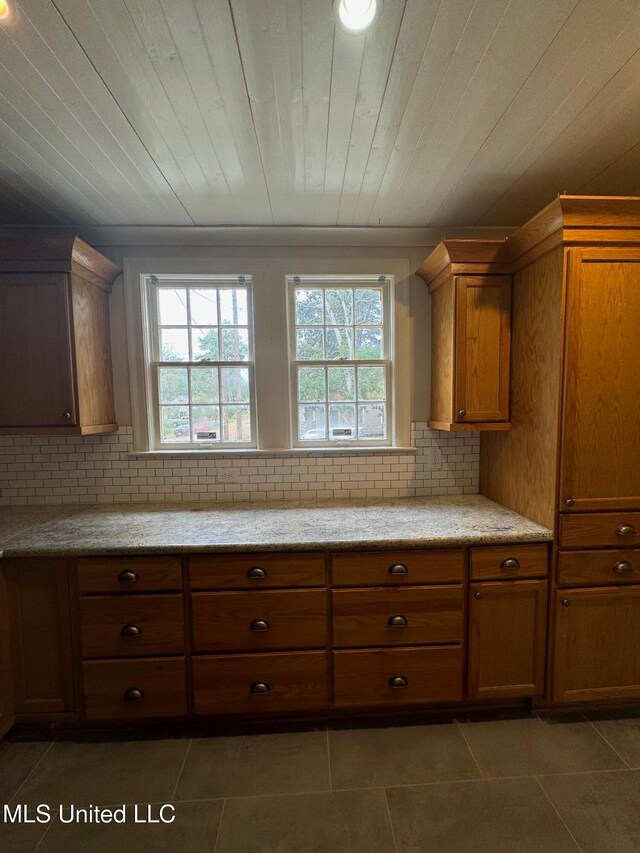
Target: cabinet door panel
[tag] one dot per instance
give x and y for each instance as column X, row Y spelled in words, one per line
column 35, row 351
column 601, row 420
column 507, row 636
column 6, row 677
column 597, row 638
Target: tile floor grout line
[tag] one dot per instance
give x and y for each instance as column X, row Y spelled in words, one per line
column 609, row 744
column 215, row 843
column 32, row 771
column 180, row 772
column 464, row 737
column 393, row 832
column 329, row 760
column 562, row 820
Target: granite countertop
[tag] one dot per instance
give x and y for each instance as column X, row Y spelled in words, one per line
column 247, row 526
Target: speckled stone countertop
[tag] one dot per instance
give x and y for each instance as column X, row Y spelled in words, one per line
column 348, row 524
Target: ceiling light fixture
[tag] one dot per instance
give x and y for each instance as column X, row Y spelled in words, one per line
column 357, row 15
column 5, row 11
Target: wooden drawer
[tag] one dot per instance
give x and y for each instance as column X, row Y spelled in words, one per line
column 600, row 530
column 260, row 684
column 594, row 568
column 129, row 574
column 260, row 621
column 154, row 687
column 509, row 561
column 117, row 626
column 364, row 677
column 395, row 568
column 257, row 571
column 394, row 617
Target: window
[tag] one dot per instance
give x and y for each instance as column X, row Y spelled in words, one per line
column 200, row 361
column 339, row 342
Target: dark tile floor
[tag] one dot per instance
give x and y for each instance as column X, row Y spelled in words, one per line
column 521, row 785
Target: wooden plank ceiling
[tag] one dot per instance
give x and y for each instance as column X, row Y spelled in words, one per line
column 263, row 112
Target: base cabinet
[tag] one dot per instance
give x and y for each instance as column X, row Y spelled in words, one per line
column 6, row 680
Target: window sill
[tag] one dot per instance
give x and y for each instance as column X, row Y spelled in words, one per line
column 295, row 451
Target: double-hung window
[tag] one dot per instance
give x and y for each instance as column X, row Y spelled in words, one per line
column 200, row 361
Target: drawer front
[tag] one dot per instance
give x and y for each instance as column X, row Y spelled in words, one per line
column 600, row 530
column 129, row 574
column 154, row 687
column 257, row 571
column 509, row 561
column 260, row 684
column 260, row 621
column 421, row 675
column 594, row 568
column 397, row 568
column 133, row 626
column 393, row 617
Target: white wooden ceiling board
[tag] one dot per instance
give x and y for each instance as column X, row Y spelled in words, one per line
column 29, row 183
column 622, row 177
column 414, row 40
column 14, row 191
column 569, row 74
column 380, row 45
column 17, row 209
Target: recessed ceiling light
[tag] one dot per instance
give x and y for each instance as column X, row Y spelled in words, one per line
column 4, row 10
column 357, row 15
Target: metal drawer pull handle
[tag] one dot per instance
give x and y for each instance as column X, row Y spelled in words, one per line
column 131, row 631
column 626, row 530
column 622, row 567
column 260, row 687
column 257, row 573
column 398, row 681
column 128, row 576
column 398, row 621
column 510, row 563
column 398, row 569
column 133, row 694
column 260, row 625
column 565, row 602
column 477, row 595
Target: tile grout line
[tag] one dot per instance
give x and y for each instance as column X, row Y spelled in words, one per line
column 329, row 758
column 393, row 832
column 180, row 772
column 562, row 820
column 215, row 843
column 32, row 771
column 609, row 744
column 464, row 737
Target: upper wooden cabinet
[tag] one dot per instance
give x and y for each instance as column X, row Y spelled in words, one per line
column 470, row 338
column 55, row 351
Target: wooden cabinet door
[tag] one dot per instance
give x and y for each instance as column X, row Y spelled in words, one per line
column 6, row 677
column 35, row 351
column 597, row 644
column 601, row 419
column 507, row 638
column 482, row 348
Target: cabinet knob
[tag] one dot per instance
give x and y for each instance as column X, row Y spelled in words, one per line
column 128, row 576
column 622, row 567
column 398, row 621
column 260, row 688
column 398, row 569
column 626, row 530
column 510, row 563
column 477, row 595
column 565, row 602
column 462, row 413
column 134, row 694
column 256, row 573
column 398, row 681
column 131, row 631
column 67, row 416
column 260, row 625
column 569, row 502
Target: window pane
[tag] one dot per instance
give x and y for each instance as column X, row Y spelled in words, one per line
column 371, row 383
column 233, row 306
column 204, row 345
column 234, row 344
column 237, row 423
column 174, row 423
column 172, row 306
column 372, row 421
column 174, row 345
column 311, row 385
column 174, row 387
column 369, row 343
column 342, row 420
column 312, row 423
column 204, row 308
column 309, row 310
column 309, row 345
column 342, row 383
column 339, row 343
column 206, row 423
column 339, row 306
column 204, row 385
column 368, row 306
column 235, row 385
